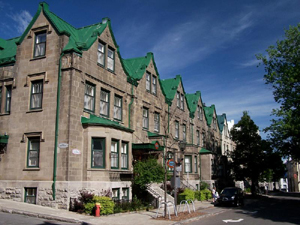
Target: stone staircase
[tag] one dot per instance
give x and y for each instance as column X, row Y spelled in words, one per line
column 158, row 194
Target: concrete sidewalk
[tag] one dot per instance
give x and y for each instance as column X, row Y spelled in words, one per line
column 136, row 218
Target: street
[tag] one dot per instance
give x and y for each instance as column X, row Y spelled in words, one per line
column 13, row 219
column 266, row 211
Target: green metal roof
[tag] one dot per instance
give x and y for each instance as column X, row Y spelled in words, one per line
column 169, row 87
column 192, row 102
column 136, row 67
column 221, row 119
column 146, row 146
column 8, row 49
column 150, row 134
column 95, row 120
column 4, row 139
column 79, row 39
column 209, row 113
column 204, row 151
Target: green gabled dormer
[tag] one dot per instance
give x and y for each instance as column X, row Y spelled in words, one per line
column 8, row 49
column 170, row 86
column 221, row 119
column 209, row 115
column 79, row 39
column 135, row 68
column 192, row 102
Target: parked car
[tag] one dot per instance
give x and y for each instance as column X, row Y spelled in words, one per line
column 231, row 196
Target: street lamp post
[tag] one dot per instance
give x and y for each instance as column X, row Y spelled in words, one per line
column 182, row 146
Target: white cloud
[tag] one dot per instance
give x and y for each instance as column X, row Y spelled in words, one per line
column 192, row 41
column 22, row 20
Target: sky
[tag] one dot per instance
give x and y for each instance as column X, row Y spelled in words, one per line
column 211, row 44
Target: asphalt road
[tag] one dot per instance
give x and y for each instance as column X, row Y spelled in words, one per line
column 16, row 219
column 263, row 211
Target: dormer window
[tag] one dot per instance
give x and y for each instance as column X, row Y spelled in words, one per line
column 182, row 102
column 148, row 81
column 40, row 45
column 101, row 54
column 178, row 99
column 214, row 123
column 111, row 59
column 154, row 85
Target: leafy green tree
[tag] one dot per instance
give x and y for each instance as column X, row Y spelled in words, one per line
column 247, row 158
column 282, row 67
column 147, row 171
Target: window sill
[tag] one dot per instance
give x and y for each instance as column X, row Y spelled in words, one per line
column 4, row 114
column 111, row 71
column 102, row 66
column 96, row 169
column 31, row 169
column 37, row 58
column 35, row 110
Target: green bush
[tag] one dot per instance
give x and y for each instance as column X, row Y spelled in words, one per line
column 204, row 186
column 205, row 194
column 198, row 195
column 181, row 197
column 187, row 194
column 107, row 205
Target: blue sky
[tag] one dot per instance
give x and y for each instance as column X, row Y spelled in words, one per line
column 211, row 44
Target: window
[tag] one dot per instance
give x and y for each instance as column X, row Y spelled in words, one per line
column 104, row 103
column 178, row 99
column 156, row 122
column 198, row 137
column 148, row 81
column 191, row 133
column 145, row 118
column 124, row 155
column 114, row 151
column 40, row 45
column 203, row 139
column 154, row 85
column 101, row 54
column 98, row 152
column 8, row 99
column 30, row 195
column 176, row 129
column 182, row 102
column 187, row 164
column 184, row 132
column 89, row 97
column 196, row 164
column 111, row 59
column 125, row 194
column 118, row 108
column 33, row 152
column 36, row 94
column 200, row 114
column 214, row 123
column 115, row 194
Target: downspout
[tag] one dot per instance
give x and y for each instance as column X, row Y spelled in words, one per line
column 56, row 127
column 168, row 118
column 129, row 107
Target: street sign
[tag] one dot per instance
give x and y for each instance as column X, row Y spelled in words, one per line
column 156, row 145
column 63, row 145
column 171, row 163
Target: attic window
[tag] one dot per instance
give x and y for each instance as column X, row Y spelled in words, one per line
column 40, row 44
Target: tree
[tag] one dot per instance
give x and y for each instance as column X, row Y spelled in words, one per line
column 247, row 158
column 282, row 67
column 147, row 171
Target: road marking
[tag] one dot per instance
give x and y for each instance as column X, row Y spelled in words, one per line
column 233, row 221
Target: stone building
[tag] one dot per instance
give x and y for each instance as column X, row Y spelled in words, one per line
column 75, row 115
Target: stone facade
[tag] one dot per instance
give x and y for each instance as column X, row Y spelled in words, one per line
column 67, row 127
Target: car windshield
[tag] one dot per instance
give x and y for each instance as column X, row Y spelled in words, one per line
column 229, row 191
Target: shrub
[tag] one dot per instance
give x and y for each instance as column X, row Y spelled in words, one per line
column 107, row 205
column 204, row 186
column 187, row 194
column 198, row 195
column 205, row 194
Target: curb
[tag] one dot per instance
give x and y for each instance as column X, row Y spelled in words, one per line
column 38, row 215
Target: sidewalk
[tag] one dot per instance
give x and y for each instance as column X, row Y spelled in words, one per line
column 136, row 218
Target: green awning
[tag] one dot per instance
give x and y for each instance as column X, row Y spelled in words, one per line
column 147, row 146
column 204, row 151
column 150, row 134
column 4, row 139
column 95, row 120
